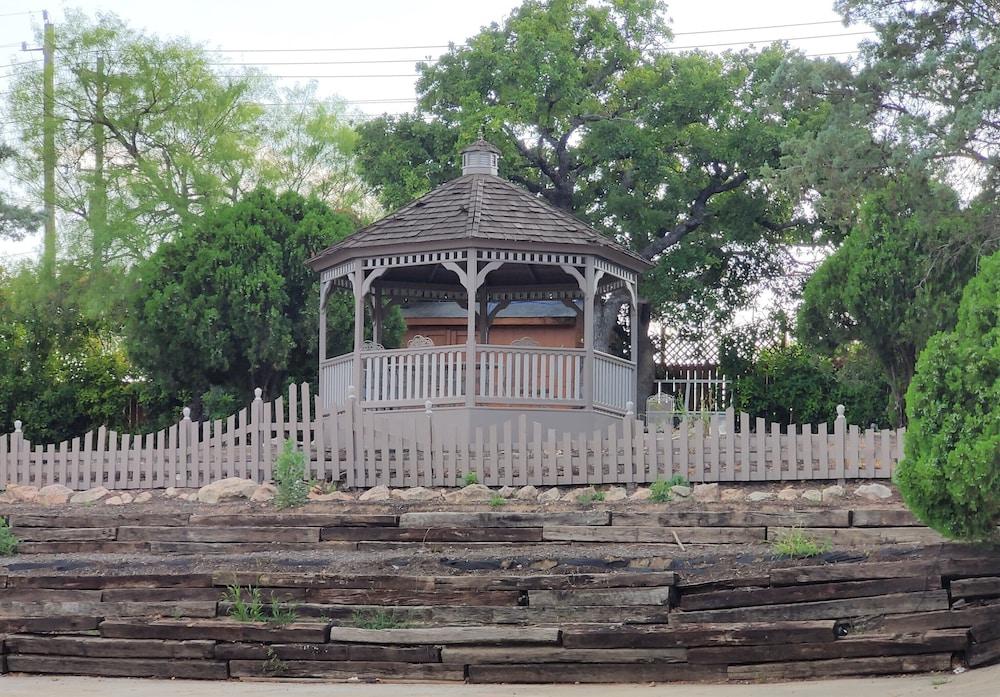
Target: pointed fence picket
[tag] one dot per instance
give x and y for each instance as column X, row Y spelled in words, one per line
column 356, row 448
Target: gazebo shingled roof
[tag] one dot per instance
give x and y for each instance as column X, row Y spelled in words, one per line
column 478, row 207
column 480, row 242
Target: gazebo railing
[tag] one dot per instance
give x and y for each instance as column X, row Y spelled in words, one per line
column 335, row 376
column 414, row 375
column 614, row 382
column 535, row 374
column 504, row 375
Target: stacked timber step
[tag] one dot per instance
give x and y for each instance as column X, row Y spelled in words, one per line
column 216, row 533
column 857, row 618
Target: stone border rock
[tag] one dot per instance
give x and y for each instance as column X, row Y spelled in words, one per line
column 236, row 488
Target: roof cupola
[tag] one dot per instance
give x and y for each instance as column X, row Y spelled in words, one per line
column 482, row 157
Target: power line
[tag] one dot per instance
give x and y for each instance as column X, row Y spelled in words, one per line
column 308, row 50
column 330, row 76
column 18, row 14
column 393, row 100
column 359, row 62
column 772, row 26
column 439, row 46
column 770, row 41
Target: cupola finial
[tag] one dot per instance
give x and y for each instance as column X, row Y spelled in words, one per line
column 482, row 157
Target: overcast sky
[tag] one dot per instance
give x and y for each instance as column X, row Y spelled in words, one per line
column 244, row 27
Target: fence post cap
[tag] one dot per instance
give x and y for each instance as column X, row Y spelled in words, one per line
column 17, row 426
column 629, row 408
column 840, row 411
column 350, row 392
column 427, row 407
column 257, row 394
column 186, row 411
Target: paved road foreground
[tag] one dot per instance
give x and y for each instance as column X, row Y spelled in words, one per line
column 984, row 682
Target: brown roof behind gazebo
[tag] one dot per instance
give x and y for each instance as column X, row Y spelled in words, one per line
column 478, row 208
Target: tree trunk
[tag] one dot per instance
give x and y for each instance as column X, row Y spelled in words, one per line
column 645, row 366
column 605, row 321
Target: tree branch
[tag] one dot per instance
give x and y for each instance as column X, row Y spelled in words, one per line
column 697, row 215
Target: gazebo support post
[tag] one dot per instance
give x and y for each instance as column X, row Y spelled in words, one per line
column 322, row 323
column 633, row 330
column 471, row 286
column 589, row 291
column 358, row 281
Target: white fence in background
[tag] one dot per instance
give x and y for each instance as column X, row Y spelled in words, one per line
column 430, row 449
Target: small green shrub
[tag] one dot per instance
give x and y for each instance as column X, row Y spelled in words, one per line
column 590, row 498
column 950, row 474
column 8, row 543
column 378, row 619
column 292, row 489
column 659, row 491
column 497, row 501
column 796, row 544
column 241, row 609
column 470, row 478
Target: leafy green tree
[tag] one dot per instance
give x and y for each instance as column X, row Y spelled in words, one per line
column 671, row 154
column 950, row 475
column 897, row 278
column 229, row 303
column 15, row 221
column 788, row 385
column 64, row 371
column 148, row 136
column 406, row 156
column 931, row 77
column 309, row 148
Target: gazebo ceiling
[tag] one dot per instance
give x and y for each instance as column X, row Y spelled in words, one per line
column 478, row 210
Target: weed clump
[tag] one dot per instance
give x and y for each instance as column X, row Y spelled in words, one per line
column 8, row 543
column 659, row 491
column 377, row 619
column 594, row 497
column 796, row 544
column 292, row 489
column 248, row 606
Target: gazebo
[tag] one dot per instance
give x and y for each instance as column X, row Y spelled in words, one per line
column 481, row 242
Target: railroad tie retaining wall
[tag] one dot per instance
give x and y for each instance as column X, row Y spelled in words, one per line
column 810, row 621
column 184, row 533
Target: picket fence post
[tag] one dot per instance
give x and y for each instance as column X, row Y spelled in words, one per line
column 840, row 444
column 262, row 458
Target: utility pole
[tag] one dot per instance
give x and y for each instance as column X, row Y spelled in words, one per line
column 99, row 191
column 49, row 150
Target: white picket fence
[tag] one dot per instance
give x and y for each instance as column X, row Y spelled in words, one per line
column 430, row 450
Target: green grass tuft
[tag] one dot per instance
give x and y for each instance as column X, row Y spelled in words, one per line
column 497, row 501
column 282, row 615
column 292, row 489
column 242, row 609
column 378, row 619
column 470, row 478
column 8, row 543
column 796, row 544
column 596, row 497
column 659, row 491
